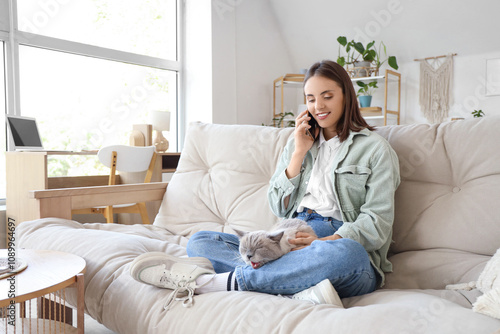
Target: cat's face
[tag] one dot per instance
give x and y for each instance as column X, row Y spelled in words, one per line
column 259, row 247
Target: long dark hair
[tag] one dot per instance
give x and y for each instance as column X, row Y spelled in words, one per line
column 351, row 119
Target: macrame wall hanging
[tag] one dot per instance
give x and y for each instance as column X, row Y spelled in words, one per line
column 435, row 87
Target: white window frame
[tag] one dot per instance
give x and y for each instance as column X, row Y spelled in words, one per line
column 14, row 38
column 4, row 37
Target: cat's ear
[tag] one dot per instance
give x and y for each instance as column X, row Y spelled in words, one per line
column 239, row 233
column 276, row 236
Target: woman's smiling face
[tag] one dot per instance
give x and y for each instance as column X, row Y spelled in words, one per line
column 325, row 101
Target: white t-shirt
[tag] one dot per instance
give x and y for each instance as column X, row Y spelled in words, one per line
column 319, row 195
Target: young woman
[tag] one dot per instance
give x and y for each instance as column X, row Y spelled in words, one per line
column 339, row 177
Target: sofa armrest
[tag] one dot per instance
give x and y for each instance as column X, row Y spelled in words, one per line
column 59, row 202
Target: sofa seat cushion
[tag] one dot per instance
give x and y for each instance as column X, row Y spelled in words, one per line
column 124, row 305
column 385, row 311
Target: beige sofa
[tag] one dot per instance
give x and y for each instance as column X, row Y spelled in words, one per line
column 447, row 227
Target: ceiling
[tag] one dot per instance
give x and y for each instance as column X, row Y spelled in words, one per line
column 409, row 28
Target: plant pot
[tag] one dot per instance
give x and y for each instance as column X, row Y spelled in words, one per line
column 360, row 73
column 365, row 101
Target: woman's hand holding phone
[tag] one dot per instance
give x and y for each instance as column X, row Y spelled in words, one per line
column 306, row 130
column 303, row 143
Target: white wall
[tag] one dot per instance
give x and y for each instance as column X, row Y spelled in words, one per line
column 246, row 44
column 469, row 88
column 224, row 62
column 234, row 50
column 248, row 54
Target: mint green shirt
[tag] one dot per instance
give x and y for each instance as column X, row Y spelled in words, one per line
column 365, row 175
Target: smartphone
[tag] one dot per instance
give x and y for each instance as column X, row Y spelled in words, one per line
column 314, row 124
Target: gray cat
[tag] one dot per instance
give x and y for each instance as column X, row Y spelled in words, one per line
column 259, row 247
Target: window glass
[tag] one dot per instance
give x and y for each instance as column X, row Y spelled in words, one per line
column 143, row 27
column 3, row 143
column 84, row 103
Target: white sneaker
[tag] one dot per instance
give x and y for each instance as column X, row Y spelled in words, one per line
column 321, row 293
column 170, row 272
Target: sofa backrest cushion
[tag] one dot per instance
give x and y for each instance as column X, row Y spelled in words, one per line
column 222, row 179
column 448, row 197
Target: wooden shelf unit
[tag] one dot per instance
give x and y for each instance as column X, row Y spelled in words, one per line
column 384, row 113
column 281, row 82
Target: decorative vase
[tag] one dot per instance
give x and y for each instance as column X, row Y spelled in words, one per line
column 160, row 143
column 365, row 101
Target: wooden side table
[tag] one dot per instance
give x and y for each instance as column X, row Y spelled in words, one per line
column 24, row 297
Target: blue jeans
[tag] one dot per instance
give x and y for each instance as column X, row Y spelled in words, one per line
column 344, row 262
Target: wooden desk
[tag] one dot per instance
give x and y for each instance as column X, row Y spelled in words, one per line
column 28, row 171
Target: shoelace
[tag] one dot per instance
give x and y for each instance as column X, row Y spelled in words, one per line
column 183, row 286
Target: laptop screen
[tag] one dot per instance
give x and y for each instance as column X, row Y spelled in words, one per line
column 24, row 132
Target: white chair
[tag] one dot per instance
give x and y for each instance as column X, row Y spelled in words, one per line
column 124, row 159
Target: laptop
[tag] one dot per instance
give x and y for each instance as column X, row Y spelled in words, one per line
column 24, row 133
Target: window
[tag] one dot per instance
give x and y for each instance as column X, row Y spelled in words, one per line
column 89, row 70
column 94, row 101
column 142, row 27
column 83, row 103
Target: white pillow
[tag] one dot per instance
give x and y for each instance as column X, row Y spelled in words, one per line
column 489, row 284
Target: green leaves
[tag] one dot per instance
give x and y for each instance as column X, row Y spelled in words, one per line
column 370, row 55
column 366, row 88
column 478, row 113
column 342, row 40
column 393, row 62
column 367, row 53
column 341, row 61
column 358, row 47
column 281, row 122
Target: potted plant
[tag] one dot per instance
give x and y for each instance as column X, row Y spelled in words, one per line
column 360, row 56
column 477, row 113
column 281, row 120
column 356, row 54
column 365, row 93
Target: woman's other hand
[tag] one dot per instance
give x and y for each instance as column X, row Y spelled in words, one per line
column 302, row 240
